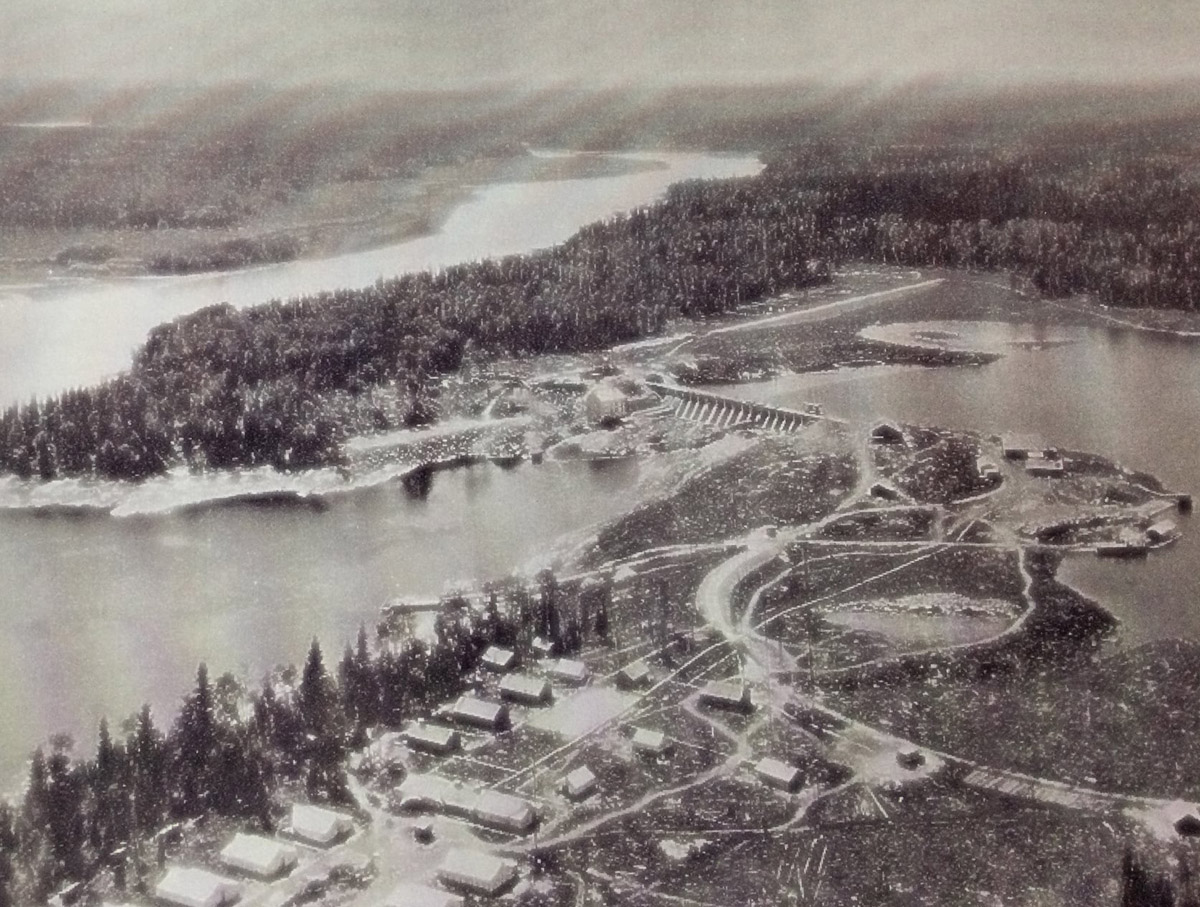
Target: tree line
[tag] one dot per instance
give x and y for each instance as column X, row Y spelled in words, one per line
column 223, row 387
column 229, row 751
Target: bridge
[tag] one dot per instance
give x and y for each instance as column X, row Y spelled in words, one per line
column 728, row 412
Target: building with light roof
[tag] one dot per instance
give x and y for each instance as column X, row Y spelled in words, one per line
column 431, row 738
column 190, row 886
column 477, row 872
column 499, row 659
column 259, row 856
column 475, row 712
column 579, row 784
column 650, row 743
column 569, row 671
column 320, row 826
column 526, row 690
column 778, row 774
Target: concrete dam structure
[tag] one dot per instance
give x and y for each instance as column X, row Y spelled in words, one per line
column 728, row 412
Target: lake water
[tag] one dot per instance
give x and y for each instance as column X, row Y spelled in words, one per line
column 99, row 614
column 1130, row 395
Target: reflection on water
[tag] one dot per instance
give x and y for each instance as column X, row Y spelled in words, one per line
column 1133, row 396
column 101, row 614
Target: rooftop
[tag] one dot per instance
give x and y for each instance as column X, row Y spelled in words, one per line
column 191, row 886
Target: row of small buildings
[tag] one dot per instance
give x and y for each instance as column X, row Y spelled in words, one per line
column 252, row 857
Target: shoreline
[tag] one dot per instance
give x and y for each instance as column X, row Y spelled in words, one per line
column 327, row 221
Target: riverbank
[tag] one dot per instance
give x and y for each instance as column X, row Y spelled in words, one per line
column 324, row 221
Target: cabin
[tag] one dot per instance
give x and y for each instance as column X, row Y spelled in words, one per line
column 190, row 886
column 409, row 894
column 431, row 738
column 476, row 872
column 261, row 857
column 475, row 712
column 605, row 403
column 504, row 812
column 433, row 793
column 319, row 826
column 1043, row 466
column 499, row 659
column 633, row 676
column 526, row 690
column 910, row 758
column 1162, row 531
column 570, row 671
column 727, row 694
column 886, row 433
column 650, row 743
column 778, row 774
column 579, row 784
column 1020, row 447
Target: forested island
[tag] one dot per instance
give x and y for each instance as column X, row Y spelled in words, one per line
column 1112, row 215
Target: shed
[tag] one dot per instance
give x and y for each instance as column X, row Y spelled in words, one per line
column 650, row 743
column 470, row 710
column 525, row 689
column 431, row 738
column 498, row 659
column 259, row 856
column 633, row 676
column 910, row 758
column 318, row 825
column 579, row 784
column 504, row 812
column 477, row 872
column 778, row 773
column 542, row 646
column 409, row 894
column 727, row 694
column 887, row 433
column 190, row 886
column 570, row 671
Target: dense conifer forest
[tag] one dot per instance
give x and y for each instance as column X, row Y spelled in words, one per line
column 224, row 388
column 231, row 751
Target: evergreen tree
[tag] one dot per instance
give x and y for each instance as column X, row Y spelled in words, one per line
column 194, row 744
column 320, row 719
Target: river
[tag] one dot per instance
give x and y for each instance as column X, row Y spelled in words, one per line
column 100, row 613
column 68, row 333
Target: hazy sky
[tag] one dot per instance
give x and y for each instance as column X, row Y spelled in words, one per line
column 431, row 43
